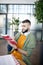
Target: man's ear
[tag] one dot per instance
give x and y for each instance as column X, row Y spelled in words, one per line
column 29, row 26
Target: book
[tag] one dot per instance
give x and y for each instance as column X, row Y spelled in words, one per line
column 9, row 39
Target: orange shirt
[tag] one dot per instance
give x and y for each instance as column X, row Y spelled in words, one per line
column 20, row 44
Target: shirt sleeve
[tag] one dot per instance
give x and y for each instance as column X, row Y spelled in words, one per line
column 30, row 45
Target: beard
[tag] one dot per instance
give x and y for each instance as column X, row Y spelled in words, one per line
column 25, row 31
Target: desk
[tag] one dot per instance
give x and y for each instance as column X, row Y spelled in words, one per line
column 8, row 60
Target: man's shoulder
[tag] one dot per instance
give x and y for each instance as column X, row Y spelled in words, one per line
column 31, row 35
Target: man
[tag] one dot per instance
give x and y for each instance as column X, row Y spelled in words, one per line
column 25, row 43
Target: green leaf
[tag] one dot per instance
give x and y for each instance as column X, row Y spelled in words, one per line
column 39, row 10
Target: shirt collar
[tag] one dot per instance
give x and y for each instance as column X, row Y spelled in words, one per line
column 27, row 33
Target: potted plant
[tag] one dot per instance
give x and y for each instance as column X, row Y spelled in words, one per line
column 39, row 13
column 15, row 22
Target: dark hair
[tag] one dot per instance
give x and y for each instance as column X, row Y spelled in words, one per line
column 26, row 21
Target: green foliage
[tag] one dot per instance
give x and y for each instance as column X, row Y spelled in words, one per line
column 15, row 21
column 39, row 11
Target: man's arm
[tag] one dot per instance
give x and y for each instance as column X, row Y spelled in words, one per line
column 22, row 51
column 10, row 40
column 14, row 46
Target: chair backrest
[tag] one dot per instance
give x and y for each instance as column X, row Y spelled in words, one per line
column 35, row 57
column 3, row 47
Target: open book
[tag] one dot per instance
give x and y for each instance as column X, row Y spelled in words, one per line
column 9, row 39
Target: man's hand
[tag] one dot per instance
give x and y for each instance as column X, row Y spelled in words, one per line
column 14, row 46
column 10, row 40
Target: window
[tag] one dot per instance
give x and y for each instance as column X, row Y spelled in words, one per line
column 3, row 9
column 2, row 24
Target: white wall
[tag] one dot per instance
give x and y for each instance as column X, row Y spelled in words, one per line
column 18, row 1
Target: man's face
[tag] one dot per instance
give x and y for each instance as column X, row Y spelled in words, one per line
column 25, row 27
